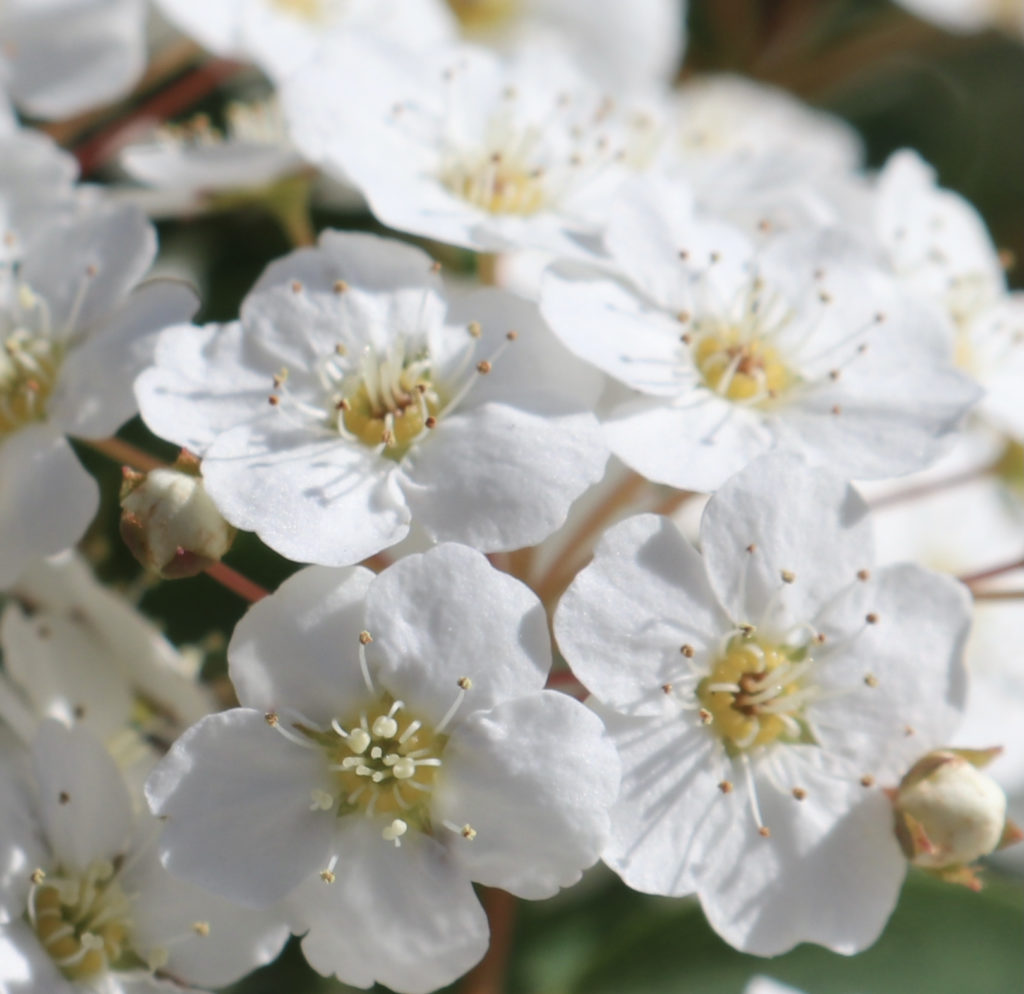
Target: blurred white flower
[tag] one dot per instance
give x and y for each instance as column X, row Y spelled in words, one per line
column 85, row 904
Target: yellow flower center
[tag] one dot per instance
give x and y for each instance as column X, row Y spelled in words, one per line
column 497, row 182
column 739, row 368
column 385, row 761
column 83, row 922
column 754, row 695
column 28, row 371
column 395, row 417
column 306, row 10
column 483, row 15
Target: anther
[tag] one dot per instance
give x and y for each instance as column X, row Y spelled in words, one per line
column 682, row 316
column 340, row 286
column 64, row 797
column 271, row 719
column 705, row 716
column 38, row 876
column 327, row 876
column 687, row 650
column 435, row 267
column 395, row 831
column 788, row 576
column 666, row 688
column 752, row 548
column 867, row 780
column 725, row 786
column 468, row 832
column 764, row 831
column 909, row 730
column 799, row 793
column 870, row 680
column 431, row 421
column 365, row 637
column 385, row 727
column 512, row 335
column 483, row 366
column 464, row 683
column 863, row 575
column 296, row 286
column 474, row 329
column 833, row 374
column 201, row 928
column 836, row 409
column 871, row 619
column 273, row 401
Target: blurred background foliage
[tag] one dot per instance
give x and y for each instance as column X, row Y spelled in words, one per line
column 959, row 100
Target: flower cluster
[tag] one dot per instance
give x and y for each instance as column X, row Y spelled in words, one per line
column 586, row 485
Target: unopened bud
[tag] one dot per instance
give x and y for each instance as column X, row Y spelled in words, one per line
column 170, row 524
column 949, row 813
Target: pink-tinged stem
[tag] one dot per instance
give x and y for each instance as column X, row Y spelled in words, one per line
column 985, row 574
column 489, row 975
column 236, row 582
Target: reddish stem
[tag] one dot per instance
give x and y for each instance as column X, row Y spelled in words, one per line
column 998, row 595
column 236, row 583
column 985, row 574
column 934, row 487
column 168, row 103
column 126, row 454
column 489, row 975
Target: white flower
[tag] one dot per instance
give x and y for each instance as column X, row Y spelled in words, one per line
column 395, row 744
column 251, row 152
column 36, row 187
column 63, row 57
column 803, row 346
column 462, row 147
column 75, row 651
column 758, row 691
column 74, row 331
column 624, row 45
column 970, row 15
column 281, row 36
column 381, row 412
column 757, row 156
column 85, row 904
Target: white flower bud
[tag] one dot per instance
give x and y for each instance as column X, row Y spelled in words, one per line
column 950, row 813
column 170, row 523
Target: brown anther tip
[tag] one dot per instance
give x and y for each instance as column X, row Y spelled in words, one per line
column 666, row 688
column 747, row 630
column 686, row 338
column 765, row 832
column 273, row 401
column 327, row 876
column 825, row 298
column 764, row 225
column 870, row 680
column 871, row 619
column 512, row 335
column 129, row 475
column 862, row 348
column 468, row 833
column 91, row 270
column 684, row 253
column 909, row 730
column 682, row 316
column 464, row 683
column 1007, row 258
column 431, row 422
column 435, row 267
column 705, row 716
column 63, row 797
column 387, row 437
column 340, row 286
column 820, row 638
column 365, row 638
column 483, row 367
column 879, row 317
column 38, row 876
column 271, row 719
column 343, row 405
column 474, row 329
column 788, row 576
column 201, row 928
column 752, row 548
column 863, row 575
column 725, row 786
column 867, row 780
column 687, row 650
column 833, row 374
column 296, row 286
column 836, row 409
column 799, row 793
column 340, row 349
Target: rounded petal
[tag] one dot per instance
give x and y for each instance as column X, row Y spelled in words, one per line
column 297, row 650
column 406, row 917
column 235, row 796
column 534, row 777
column 447, row 614
column 626, row 616
column 94, row 395
column 310, row 496
column 799, row 519
column 84, row 804
column 46, row 498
